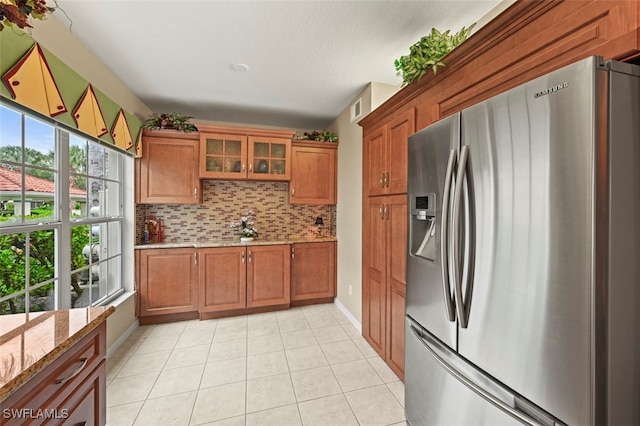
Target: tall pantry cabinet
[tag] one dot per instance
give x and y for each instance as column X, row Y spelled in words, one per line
column 385, row 237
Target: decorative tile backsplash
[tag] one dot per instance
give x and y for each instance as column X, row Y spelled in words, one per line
column 226, row 201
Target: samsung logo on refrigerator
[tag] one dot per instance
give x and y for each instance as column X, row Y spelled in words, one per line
column 552, row 89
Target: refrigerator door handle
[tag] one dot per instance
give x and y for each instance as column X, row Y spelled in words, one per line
column 463, row 192
column 431, row 347
column 444, row 236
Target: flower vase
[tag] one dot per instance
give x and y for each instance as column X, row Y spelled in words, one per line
column 246, row 239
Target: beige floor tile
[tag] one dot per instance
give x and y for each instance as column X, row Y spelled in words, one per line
column 280, row 416
column 201, row 325
column 195, row 338
column 167, row 410
column 156, row 343
column 341, row 318
column 262, row 318
column 237, row 323
column 224, row 334
column 355, row 375
column 264, row 344
column 114, row 365
column 177, row 380
column 330, row 334
column 130, row 389
column 222, row 372
column 351, row 331
column 341, row 352
column 227, row 350
column 299, row 339
column 330, row 410
column 297, row 323
column 314, row 383
column 269, row 392
column 305, row 358
column 219, row 402
column 123, row 415
column 129, row 347
column 184, row 357
column 142, row 331
column 233, row 421
column 365, row 348
column 263, row 329
column 397, row 389
column 144, row 363
column 375, row 406
column 168, row 329
column 266, row 365
column 321, row 320
column 384, row 371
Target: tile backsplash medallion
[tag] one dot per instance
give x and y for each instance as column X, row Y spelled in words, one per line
column 225, row 202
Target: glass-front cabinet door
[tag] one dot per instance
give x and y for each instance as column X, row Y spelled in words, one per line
column 223, row 156
column 269, row 158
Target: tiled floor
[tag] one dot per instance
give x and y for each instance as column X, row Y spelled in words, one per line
column 304, row 366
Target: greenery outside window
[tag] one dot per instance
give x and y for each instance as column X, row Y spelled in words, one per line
column 61, row 216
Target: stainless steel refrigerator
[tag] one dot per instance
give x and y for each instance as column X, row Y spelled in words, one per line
column 523, row 263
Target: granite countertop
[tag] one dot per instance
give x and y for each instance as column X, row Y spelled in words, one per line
column 219, row 243
column 30, row 342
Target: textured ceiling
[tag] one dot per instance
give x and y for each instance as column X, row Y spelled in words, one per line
column 307, row 59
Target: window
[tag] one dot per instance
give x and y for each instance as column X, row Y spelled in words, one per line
column 61, row 216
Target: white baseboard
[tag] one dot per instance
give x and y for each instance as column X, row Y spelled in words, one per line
column 348, row 314
column 123, row 337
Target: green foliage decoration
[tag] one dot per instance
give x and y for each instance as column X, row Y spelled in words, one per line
column 323, row 136
column 173, row 121
column 427, row 54
column 18, row 12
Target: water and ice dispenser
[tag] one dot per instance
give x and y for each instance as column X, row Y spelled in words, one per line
column 422, row 233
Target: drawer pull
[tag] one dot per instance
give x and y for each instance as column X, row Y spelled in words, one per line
column 75, row 373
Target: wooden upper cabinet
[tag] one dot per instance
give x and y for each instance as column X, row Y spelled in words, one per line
column 235, row 153
column 268, row 275
column 313, row 271
column 167, row 173
column 168, row 281
column 269, row 158
column 313, row 174
column 385, row 156
column 223, row 156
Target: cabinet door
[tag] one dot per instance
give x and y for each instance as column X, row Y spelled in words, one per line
column 168, row 171
column 223, row 156
column 399, row 130
column 268, row 272
column 313, row 175
column 394, row 354
column 374, row 275
column 269, row 158
column 168, row 281
column 223, row 279
column 313, row 270
column 87, row 405
column 375, row 161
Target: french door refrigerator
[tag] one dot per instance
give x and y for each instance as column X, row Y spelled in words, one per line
column 523, row 263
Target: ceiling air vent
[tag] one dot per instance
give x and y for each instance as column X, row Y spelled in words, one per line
column 356, row 110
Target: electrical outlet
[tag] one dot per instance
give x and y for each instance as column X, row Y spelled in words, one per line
column 350, row 290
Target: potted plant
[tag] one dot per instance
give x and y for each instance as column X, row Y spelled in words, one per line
column 427, row 54
column 245, row 226
column 173, row 121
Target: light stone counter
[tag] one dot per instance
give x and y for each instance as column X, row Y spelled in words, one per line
column 208, row 244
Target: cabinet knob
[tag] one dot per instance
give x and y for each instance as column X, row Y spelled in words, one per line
column 293, row 192
column 249, row 256
column 195, row 192
column 243, row 256
column 243, row 167
column 250, row 168
column 382, row 180
column 293, row 253
column 75, row 373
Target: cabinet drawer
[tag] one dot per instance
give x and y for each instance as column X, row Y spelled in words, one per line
column 52, row 387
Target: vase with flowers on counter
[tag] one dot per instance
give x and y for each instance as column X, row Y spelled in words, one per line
column 245, row 226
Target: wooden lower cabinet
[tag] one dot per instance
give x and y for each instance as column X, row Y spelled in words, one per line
column 384, row 277
column 313, row 271
column 168, row 282
column 268, row 275
column 223, row 279
column 70, row 391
